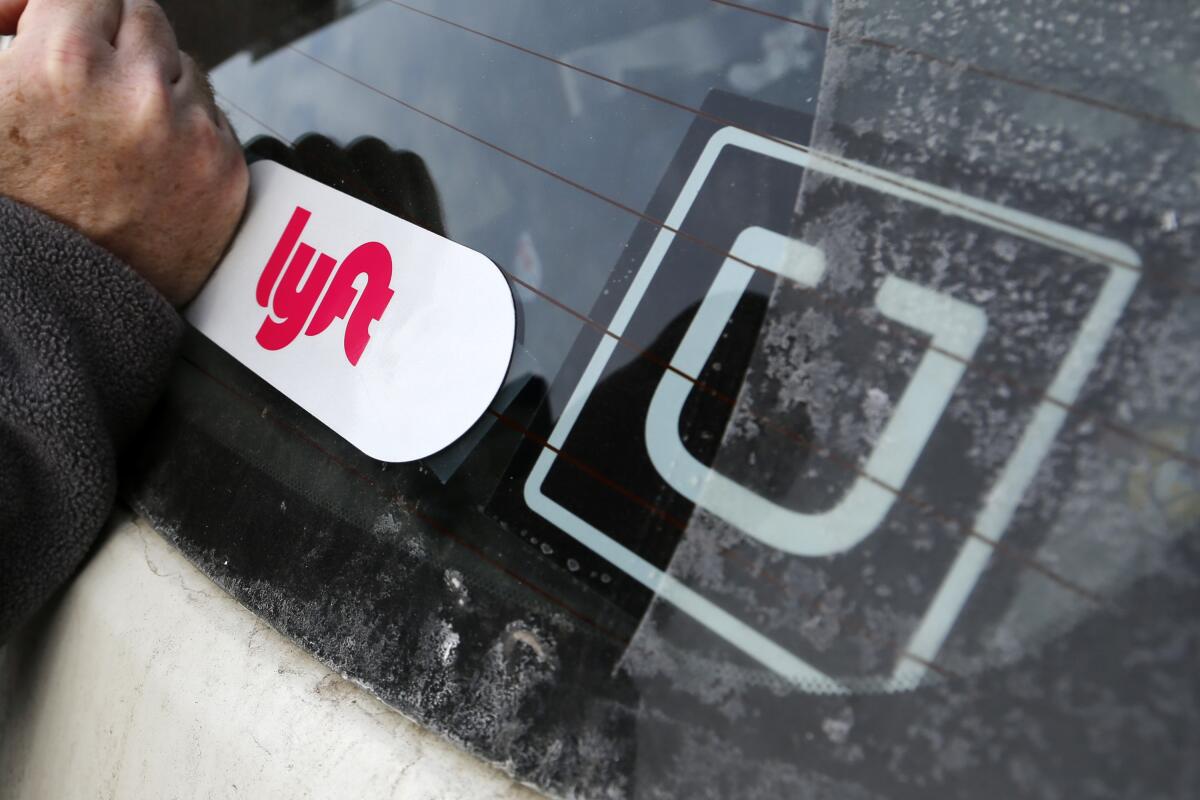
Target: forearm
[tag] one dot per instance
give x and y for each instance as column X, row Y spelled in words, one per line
column 85, row 345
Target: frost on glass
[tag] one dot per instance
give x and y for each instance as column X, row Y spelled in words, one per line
column 1081, row 116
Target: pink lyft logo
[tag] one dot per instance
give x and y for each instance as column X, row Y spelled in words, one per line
column 292, row 303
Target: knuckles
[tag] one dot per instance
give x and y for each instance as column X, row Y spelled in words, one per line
column 212, row 157
column 149, row 102
column 149, row 19
column 202, row 134
column 124, row 153
column 70, row 62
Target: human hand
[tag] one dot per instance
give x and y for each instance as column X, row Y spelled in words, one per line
column 106, row 126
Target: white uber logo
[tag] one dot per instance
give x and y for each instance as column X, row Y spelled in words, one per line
column 955, row 328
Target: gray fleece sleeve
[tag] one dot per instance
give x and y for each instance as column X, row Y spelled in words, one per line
column 85, row 346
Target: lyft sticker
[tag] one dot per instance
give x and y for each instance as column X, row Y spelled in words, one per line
column 394, row 337
column 292, row 304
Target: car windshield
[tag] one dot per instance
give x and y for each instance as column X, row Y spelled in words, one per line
column 851, row 447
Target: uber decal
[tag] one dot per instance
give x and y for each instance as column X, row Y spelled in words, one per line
column 685, row 335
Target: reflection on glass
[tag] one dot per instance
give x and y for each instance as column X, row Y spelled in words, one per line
column 850, row 447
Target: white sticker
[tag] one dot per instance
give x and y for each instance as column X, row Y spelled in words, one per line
column 394, row 337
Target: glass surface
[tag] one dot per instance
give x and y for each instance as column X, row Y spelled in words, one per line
column 851, row 449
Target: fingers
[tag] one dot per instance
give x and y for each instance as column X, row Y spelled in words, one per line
column 10, row 14
column 100, row 18
column 145, row 37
